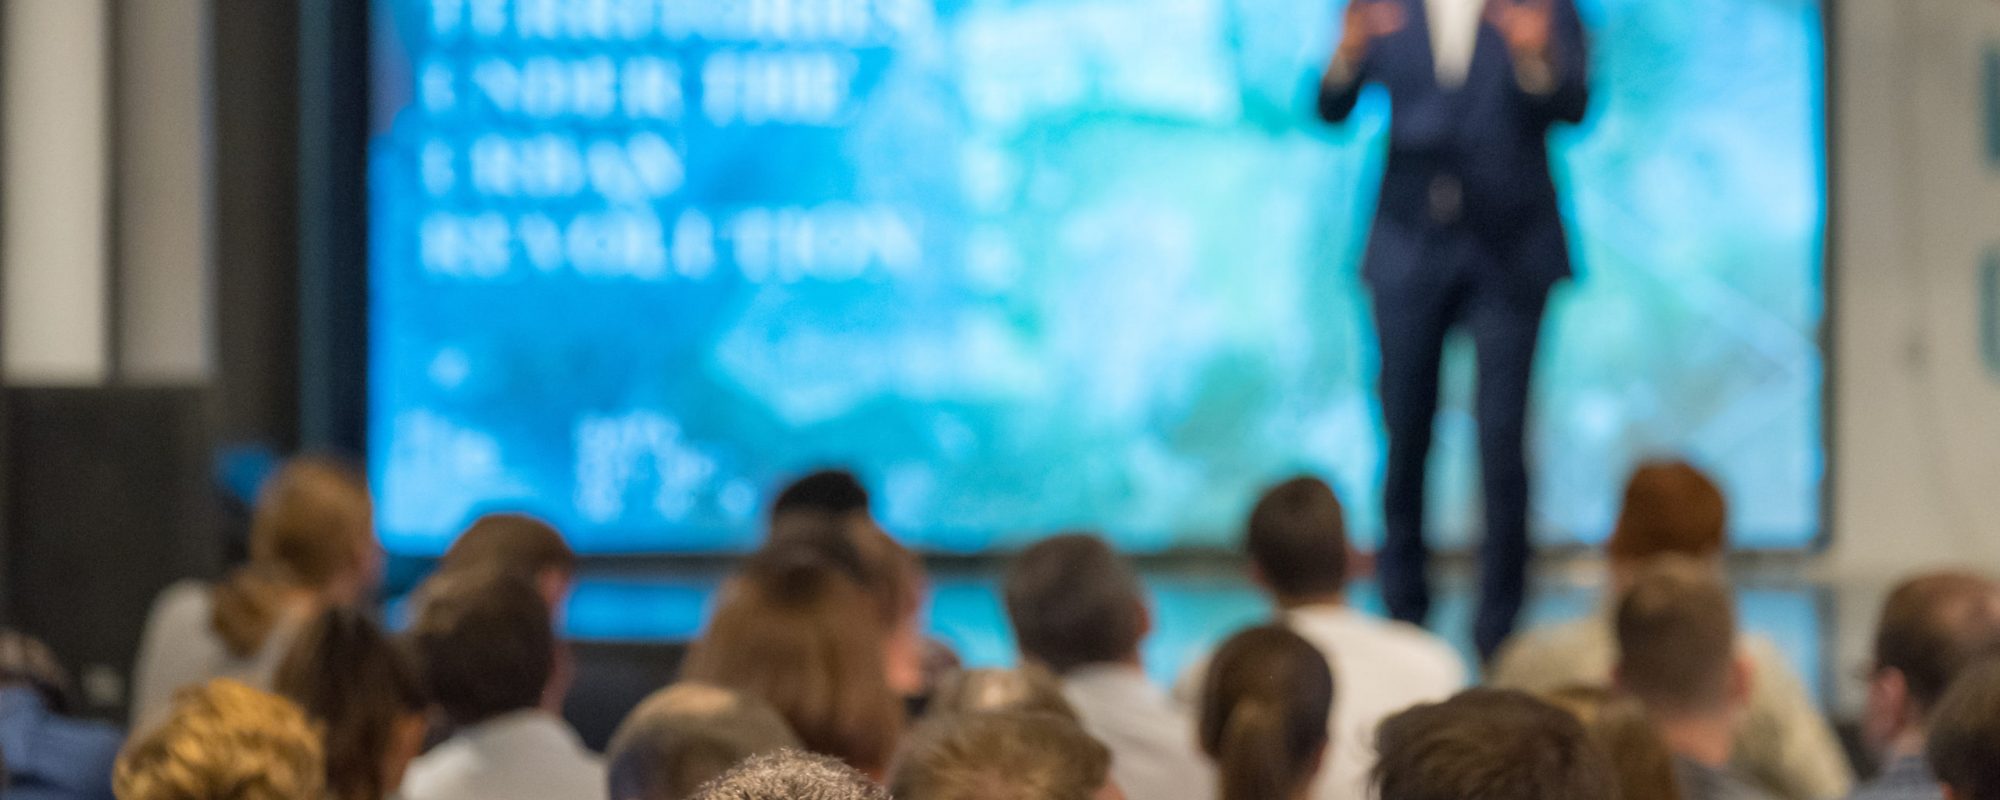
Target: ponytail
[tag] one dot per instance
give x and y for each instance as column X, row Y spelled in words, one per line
column 244, row 610
column 1251, row 759
column 1264, row 713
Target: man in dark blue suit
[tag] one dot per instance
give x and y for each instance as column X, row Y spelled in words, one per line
column 1467, row 234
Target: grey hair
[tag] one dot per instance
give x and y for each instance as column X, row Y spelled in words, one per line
column 792, row 775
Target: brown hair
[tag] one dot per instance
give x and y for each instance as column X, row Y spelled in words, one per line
column 1490, row 744
column 1000, row 756
column 484, row 642
column 1298, row 538
column 1074, row 602
column 1935, row 625
column 357, row 683
column 1027, row 688
column 686, row 735
column 1264, row 711
column 225, row 741
column 1671, row 508
column 890, row 573
column 797, row 632
column 515, row 542
column 1676, row 632
column 312, row 526
column 1640, row 759
column 1965, row 733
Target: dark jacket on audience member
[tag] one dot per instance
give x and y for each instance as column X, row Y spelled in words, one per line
column 50, row 757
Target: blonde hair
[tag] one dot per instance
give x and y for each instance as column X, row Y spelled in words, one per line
column 312, row 526
column 225, row 741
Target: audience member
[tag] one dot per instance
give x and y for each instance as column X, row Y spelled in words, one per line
column 1489, row 744
column 1078, row 610
column 1264, row 709
column 1932, row 628
column 362, row 689
column 1299, row 552
column 225, row 741
column 686, row 735
column 1678, row 657
column 488, row 652
column 792, row 775
column 312, row 545
column 796, row 631
column 1002, row 756
column 1672, row 509
column 828, row 511
column 1027, row 688
column 1640, row 760
column 49, row 755
column 518, row 543
column 1965, row 738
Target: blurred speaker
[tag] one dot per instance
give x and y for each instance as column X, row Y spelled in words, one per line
column 108, row 503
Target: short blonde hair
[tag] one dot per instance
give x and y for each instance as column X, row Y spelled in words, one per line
column 225, row 741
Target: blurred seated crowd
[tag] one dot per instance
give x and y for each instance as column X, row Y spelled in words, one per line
column 812, row 678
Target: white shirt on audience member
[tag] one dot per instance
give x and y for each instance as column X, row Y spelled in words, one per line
column 1379, row 668
column 525, row 755
column 180, row 648
column 1154, row 754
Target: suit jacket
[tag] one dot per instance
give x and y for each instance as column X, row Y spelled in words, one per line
column 1474, row 158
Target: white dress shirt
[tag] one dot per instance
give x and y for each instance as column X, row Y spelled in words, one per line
column 1379, row 668
column 526, row 755
column 1454, row 26
column 1154, row 754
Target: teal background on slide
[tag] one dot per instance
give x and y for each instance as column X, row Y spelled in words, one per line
column 1041, row 264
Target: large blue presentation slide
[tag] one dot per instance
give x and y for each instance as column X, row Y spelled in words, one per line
column 1030, row 265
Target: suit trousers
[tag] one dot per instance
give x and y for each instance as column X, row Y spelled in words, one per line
column 1504, row 319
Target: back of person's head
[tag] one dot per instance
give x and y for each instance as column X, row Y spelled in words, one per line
column 484, row 643
column 1297, row 537
column 516, row 543
column 1671, row 508
column 28, row 662
column 1074, row 603
column 1676, row 630
column 891, row 575
column 1000, row 756
column 1489, row 744
column 1027, row 688
column 225, row 741
column 1965, row 734
column 686, row 735
column 797, row 632
column 792, row 775
column 835, row 492
column 1264, row 711
column 362, row 689
column 313, row 529
column 1933, row 626
column 1640, row 759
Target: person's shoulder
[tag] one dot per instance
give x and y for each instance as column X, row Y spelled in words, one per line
column 1414, row 652
column 184, row 600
